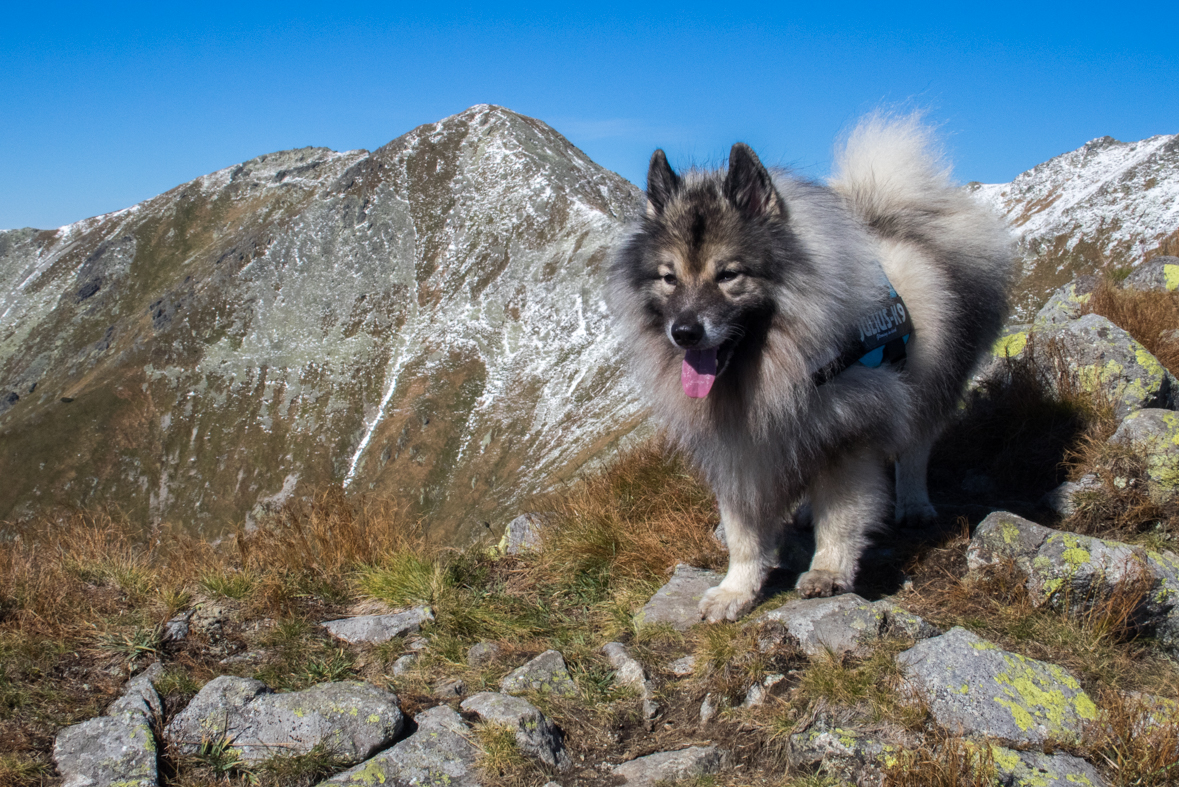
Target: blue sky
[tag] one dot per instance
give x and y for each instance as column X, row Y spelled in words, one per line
column 102, row 106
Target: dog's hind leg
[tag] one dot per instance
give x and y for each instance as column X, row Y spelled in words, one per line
column 752, row 538
column 848, row 501
column 913, row 506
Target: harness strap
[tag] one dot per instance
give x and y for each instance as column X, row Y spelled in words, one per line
column 879, row 337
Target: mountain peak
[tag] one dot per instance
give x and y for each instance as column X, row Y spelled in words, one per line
column 1104, row 205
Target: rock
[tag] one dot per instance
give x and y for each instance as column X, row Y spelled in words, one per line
column 630, row 672
column 677, row 602
column 176, row 629
column 438, row 754
column 1062, row 499
column 671, row 766
column 682, row 667
column 847, row 754
column 403, row 663
column 974, row 688
column 351, row 718
column 1075, row 572
column 450, row 688
column 546, row 674
column 483, row 653
column 140, row 697
column 118, row 749
column 902, row 623
column 1013, row 342
column 522, row 535
column 1033, row 768
column 710, row 707
column 535, row 734
column 839, row 624
column 374, row 629
column 109, row 751
column 1160, row 274
column 1065, row 304
column 208, row 618
column 759, row 692
column 1155, row 433
column 1107, row 360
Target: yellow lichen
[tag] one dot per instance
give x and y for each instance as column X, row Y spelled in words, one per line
column 1011, row 345
column 1171, row 277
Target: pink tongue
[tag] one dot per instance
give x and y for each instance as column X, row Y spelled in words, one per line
column 698, row 372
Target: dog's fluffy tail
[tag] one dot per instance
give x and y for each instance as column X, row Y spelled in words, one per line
column 891, row 167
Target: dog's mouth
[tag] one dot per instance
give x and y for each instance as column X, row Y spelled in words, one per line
column 701, row 367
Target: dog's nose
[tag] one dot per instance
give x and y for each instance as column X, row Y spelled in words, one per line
column 687, row 334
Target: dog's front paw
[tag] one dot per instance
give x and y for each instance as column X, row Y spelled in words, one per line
column 819, row 582
column 720, row 604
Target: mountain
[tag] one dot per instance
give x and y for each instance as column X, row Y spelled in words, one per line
column 423, row 322
column 1106, row 205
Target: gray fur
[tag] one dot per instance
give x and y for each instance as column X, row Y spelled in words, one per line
column 773, row 270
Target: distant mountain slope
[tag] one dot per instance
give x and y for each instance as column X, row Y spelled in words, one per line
column 1108, row 204
column 423, row 322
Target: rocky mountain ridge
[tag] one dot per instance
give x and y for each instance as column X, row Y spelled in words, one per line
column 423, row 322
column 1106, row 205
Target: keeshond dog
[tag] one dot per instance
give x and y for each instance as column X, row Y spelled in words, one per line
column 794, row 338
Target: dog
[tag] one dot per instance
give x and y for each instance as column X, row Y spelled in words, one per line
column 793, row 338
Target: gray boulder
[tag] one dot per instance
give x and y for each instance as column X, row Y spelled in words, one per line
column 439, row 754
column 1063, row 499
column 535, row 734
column 403, row 664
column 109, row 751
column 116, row 750
column 1033, row 768
column 546, row 674
column 483, row 653
column 1155, row 433
column 522, row 535
column 352, row 719
column 1106, row 359
column 374, row 629
column 671, row 766
column 1066, row 303
column 846, row 753
column 973, row 687
column 1075, row 572
column 839, row 624
column 1160, row 274
column 677, row 603
column 140, row 697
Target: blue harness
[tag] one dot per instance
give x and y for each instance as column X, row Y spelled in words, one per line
column 879, row 337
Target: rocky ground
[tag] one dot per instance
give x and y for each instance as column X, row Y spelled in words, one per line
column 1031, row 642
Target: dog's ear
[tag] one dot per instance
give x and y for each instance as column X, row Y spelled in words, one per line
column 749, row 187
column 662, row 184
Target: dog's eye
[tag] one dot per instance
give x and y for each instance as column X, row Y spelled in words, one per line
column 669, row 278
column 727, row 275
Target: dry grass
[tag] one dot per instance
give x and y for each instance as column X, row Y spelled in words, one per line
column 943, row 761
column 1144, row 315
column 1136, row 740
column 634, row 521
column 1120, row 506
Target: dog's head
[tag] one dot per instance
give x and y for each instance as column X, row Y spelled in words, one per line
column 703, row 261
